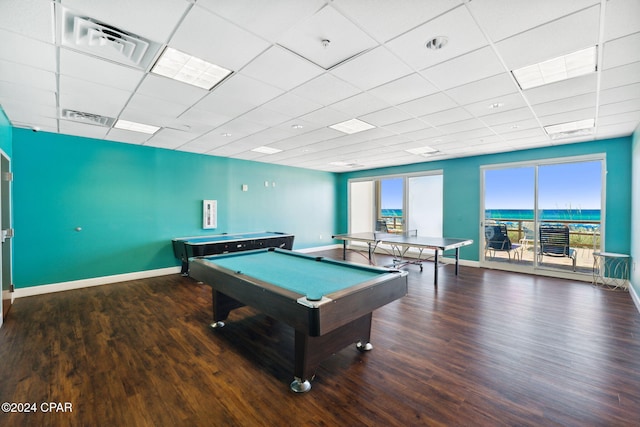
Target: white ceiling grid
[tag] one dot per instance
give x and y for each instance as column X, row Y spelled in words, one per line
column 300, row 66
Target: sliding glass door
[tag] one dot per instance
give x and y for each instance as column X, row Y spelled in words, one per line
column 544, row 215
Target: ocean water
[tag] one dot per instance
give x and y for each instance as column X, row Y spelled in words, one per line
column 391, row 212
column 545, row 214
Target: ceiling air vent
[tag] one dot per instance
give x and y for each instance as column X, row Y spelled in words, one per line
column 87, row 118
column 106, row 41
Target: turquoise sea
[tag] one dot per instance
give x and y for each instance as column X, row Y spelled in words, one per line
column 545, row 214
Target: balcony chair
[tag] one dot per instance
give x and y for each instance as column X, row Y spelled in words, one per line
column 497, row 239
column 381, row 225
column 554, row 241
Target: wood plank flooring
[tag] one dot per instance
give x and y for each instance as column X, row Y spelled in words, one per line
column 486, row 348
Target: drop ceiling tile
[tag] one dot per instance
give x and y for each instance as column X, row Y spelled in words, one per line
column 169, row 138
column 410, row 125
column 568, row 116
column 566, row 104
column 619, row 94
column 458, row 25
column 404, row 89
column 326, row 38
column 428, row 104
column 238, row 128
column 622, row 51
column 292, row 105
column 386, row 116
column 385, row 20
column 32, row 19
column 200, row 28
column 281, row 68
column 126, row 136
column 515, row 126
column 489, row 88
column 237, row 95
column 620, row 76
column 265, row 116
column 325, row 117
column 559, row 37
column 470, row 127
column 27, row 51
column 619, row 107
column 308, row 138
column 382, row 67
column 194, row 116
column 463, row 69
column 621, row 18
column 25, row 111
column 430, row 134
column 562, row 89
column 326, row 89
column 26, row 94
column 155, row 21
column 511, row 116
column 616, row 130
column 91, row 98
column 266, row 19
column 447, row 116
column 171, row 90
column 27, row 76
column 156, row 105
column 502, row 19
column 630, row 117
column 496, row 105
column 92, row 69
column 360, row 104
column 80, row 129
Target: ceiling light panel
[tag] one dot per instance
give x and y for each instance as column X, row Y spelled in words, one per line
column 570, row 127
column 186, row 68
column 352, row 126
column 266, row 150
column 136, row 127
column 562, row 68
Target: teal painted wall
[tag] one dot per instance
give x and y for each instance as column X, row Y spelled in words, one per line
column 131, row 200
column 461, row 182
column 635, row 212
column 6, row 134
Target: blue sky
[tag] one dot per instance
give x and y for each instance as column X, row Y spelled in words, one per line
column 561, row 186
column 392, row 193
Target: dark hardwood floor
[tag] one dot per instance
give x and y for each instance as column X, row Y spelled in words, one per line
column 484, row 348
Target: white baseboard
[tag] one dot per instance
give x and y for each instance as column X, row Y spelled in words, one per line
column 634, row 296
column 95, row 281
column 318, row 248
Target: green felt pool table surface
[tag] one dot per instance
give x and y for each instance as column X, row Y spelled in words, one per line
column 309, row 276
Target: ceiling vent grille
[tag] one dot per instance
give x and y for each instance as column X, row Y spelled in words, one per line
column 106, row 41
column 87, row 118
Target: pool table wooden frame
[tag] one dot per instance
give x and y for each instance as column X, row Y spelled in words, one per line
column 321, row 327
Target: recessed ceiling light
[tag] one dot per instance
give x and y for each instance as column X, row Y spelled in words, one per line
column 136, row 127
column 189, row 69
column 422, row 150
column 352, row 126
column 296, row 126
column 266, row 150
column 570, row 129
column 436, row 43
column 496, row 105
column 564, row 67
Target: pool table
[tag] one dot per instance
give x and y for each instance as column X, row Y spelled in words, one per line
column 329, row 303
column 188, row 247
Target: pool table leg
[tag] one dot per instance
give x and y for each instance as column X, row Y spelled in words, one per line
column 310, row 351
column 222, row 305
